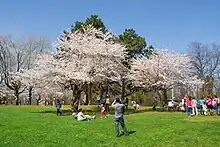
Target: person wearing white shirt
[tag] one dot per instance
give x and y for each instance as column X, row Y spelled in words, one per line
column 194, row 107
column 82, row 117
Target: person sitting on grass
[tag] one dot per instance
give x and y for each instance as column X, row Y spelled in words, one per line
column 58, row 106
column 135, row 105
column 119, row 112
column 82, row 117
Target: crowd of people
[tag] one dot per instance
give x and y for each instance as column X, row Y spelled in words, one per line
column 204, row 106
column 118, row 105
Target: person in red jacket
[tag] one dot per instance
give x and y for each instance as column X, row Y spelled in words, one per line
column 188, row 102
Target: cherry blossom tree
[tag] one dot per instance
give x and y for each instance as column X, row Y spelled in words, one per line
column 163, row 71
column 15, row 56
column 82, row 57
column 42, row 76
column 89, row 56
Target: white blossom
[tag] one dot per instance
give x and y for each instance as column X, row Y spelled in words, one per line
column 164, row 69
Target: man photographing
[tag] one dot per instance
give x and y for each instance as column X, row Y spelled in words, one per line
column 119, row 112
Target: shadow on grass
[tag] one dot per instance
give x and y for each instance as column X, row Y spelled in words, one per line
column 96, row 111
column 129, row 133
column 203, row 119
column 66, row 112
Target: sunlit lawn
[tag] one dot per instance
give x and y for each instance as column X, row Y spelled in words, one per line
column 27, row 126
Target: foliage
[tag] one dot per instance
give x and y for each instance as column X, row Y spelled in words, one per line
column 93, row 21
column 136, row 45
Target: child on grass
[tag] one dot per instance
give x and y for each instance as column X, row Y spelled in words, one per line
column 58, row 106
column 204, row 109
column 103, row 111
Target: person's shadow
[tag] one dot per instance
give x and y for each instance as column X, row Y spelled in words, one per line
column 129, row 132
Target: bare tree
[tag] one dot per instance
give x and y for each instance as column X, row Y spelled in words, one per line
column 206, row 61
column 16, row 56
column 33, row 48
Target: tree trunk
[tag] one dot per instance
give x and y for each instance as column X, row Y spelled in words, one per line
column 164, row 97
column 102, row 91
column 73, row 88
column 45, row 101
column 123, row 89
column 17, row 97
column 78, row 95
column 30, row 94
column 89, row 93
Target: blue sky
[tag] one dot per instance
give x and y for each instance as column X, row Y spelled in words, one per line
column 171, row 24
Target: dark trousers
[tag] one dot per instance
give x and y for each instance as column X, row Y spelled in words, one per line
column 107, row 108
column 200, row 108
column 217, row 108
column 188, row 111
column 121, row 121
column 58, row 112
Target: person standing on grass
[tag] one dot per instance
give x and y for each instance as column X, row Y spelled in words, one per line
column 102, row 100
column 126, row 103
column 58, row 106
column 188, row 101
column 217, row 104
column 75, row 106
column 204, row 109
column 107, row 103
column 201, row 103
column 214, row 103
column 103, row 111
column 75, row 109
column 194, row 107
column 209, row 104
column 119, row 112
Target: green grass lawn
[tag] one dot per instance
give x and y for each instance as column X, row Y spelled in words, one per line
column 32, row 126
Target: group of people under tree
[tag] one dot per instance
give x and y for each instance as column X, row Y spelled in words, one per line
column 117, row 104
column 205, row 106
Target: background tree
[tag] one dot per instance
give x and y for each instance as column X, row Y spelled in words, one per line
column 206, row 61
column 85, row 57
column 163, row 71
column 136, row 47
column 93, row 21
column 15, row 56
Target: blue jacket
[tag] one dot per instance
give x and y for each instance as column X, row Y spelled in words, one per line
column 58, row 105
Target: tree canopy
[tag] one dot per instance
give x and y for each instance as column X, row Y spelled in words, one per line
column 93, row 20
